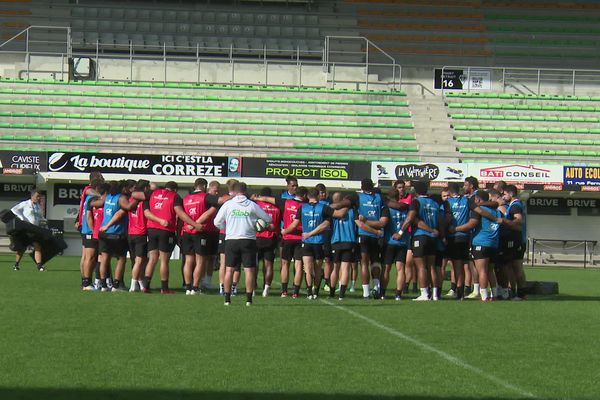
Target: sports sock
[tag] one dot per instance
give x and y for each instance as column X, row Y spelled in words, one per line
column 227, row 297
column 382, row 292
column 164, row 285
column 415, row 287
column 142, row 284
column 352, row 284
column 398, row 293
column 476, row 288
column 365, row 290
column 425, row 292
column 148, row 279
column 331, row 291
column 117, row 283
column 453, row 287
column 296, row 289
column 460, row 292
column 309, row 291
column 39, row 265
column 284, row 287
column 267, row 287
column 484, row 293
column 327, row 282
column 437, row 292
column 196, row 289
column 249, row 297
column 85, row 282
column 132, row 285
column 495, row 292
column 343, row 290
column 406, row 287
column 188, row 286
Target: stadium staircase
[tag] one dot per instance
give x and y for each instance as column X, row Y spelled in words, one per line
column 553, row 128
column 211, row 119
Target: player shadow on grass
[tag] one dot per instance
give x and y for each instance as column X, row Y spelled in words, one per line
column 158, row 394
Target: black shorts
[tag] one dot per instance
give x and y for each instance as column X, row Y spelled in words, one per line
column 161, row 240
column 370, row 245
column 394, row 254
column 520, row 250
column 344, row 252
column 19, row 242
column 458, row 248
column 138, row 246
column 313, row 250
column 481, row 252
column 221, row 245
column 423, row 246
column 506, row 250
column 240, row 252
column 265, row 248
column 327, row 244
column 292, row 250
column 115, row 245
column 203, row 244
column 89, row 242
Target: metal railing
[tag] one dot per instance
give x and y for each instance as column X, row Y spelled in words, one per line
column 232, row 56
column 529, row 80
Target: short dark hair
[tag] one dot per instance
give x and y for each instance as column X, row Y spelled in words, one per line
column 494, row 192
column 420, row 187
column 399, row 182
column 290, row 178
column 483, row 195
column 266, row 191
column 453, row 187
column 302, row 191
column 34, row 191
column 240, row 187
column 393, row 193
column 142, row 185
column 200, row 183
column 171, row 185
column 96, row 183
column 473, row 181
column 313, row 193
column 367, row 184
column 512, row 190
column 95, row 174
column 320, row 187
column 501, row 185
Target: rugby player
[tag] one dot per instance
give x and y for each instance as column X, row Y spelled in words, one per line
column 266, row 241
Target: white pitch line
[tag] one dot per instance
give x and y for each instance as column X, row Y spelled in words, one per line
column 431, row 349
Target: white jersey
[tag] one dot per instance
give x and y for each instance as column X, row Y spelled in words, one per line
column 238, row 218
column 28, row 211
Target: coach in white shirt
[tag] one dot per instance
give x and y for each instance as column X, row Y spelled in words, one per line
column 238, row 217
column 29, row 211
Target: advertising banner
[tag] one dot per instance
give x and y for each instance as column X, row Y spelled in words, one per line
column 433, row 172
column 582, row 176
column 67, row 193
column 305, row 169
column 15, row 190
column 518, row 174
column 143, row 164
column 22, row 162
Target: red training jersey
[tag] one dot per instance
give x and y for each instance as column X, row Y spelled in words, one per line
column 81, row 201
column 194, row 205
column 98, row 215
column 137, row 220
column 275, row 214
column 162, row 205
column 290, row 209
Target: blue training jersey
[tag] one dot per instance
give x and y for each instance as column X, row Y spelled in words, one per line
column 397, row 218
column 487, row 232
column 311, row 215
column 344, row 229
column 429, row 211
column 111, row 206
column 459, row 208
column 86, row 229
column 369, row 206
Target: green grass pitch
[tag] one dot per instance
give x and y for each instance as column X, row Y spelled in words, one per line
column 61, row 343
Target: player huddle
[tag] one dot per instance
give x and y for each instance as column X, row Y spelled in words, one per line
column 323, row 237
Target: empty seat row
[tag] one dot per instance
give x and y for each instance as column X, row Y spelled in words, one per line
column 529, row 140
column 512, row 117
column 536, row 129
column 170, row 107
column 210, row 131
column 532, row 152
column 185, row 85
column 351, row 147
column 53, row 138
column 145, row 13
column 179, row 96
column 343, row 157
column 524, row 107
column 203, row 120
column 520, row 96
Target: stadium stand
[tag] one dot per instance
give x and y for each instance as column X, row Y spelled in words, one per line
column 548, row 127
column 243, row 119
